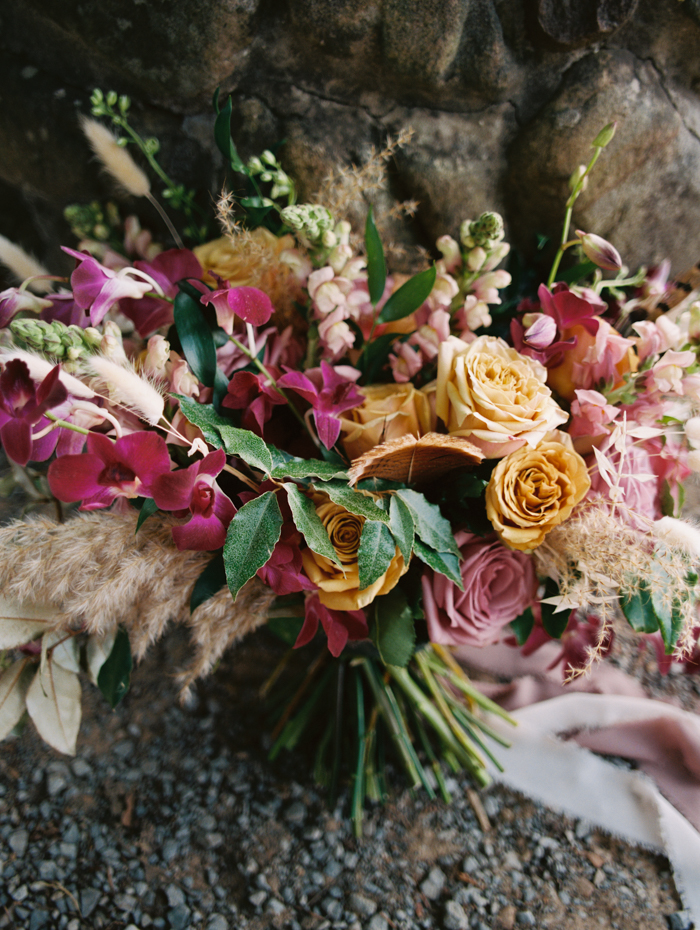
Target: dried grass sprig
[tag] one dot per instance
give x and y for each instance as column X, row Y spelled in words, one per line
column 126, row 387
column 23, row 266
column 115, row 159
column 99, row 574
column 595, row 555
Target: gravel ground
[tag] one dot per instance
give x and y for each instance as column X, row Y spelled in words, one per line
column 171, row 817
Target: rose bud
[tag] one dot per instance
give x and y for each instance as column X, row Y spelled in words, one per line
column 600, row 251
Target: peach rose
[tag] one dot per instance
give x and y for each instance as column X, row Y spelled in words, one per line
column 389, row 411
column 492, row 395
column 339, row 589
column 533, row 490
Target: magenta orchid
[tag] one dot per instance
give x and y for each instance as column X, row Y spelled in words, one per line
column 125, row 468
column 22, row 406
column 97, row 288
column 195, row 490
column 166, row 269
column 14, row 299
column 249, row 304
column 256, row 396
column 338, row 625
column 330, row 391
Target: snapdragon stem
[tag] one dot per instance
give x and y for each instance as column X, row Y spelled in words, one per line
column 261, row 368
column 567, row 216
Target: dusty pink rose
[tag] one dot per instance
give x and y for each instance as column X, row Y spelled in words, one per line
column 499, row 584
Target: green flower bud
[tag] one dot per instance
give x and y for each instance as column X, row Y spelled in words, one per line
column 255, row 165
column 575, row 178
column 112, row 98
column 268, row 158
column 605, row 136
column 487, row 229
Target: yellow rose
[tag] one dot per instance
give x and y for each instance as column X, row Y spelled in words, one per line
column 389, row 411
column 533, row 490
column 497, row 398
column 340, row 590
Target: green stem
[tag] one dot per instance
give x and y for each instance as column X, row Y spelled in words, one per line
column 567, row 216
column 358, row 792
column 65, row 424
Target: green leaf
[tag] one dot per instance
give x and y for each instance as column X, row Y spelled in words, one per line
column 302, row 468
column 377, row 549
column 444, row 563
column 668, row 505
column 251, row 537
column 401, row 525
column 309, row 524
column 220, row 386
column 195, row 337
column 394, row 634
column 286, row 628
column 222, row 135
column 211, row 580
column 147, row 509
column 205, row 417
column 375, row 354
column 522, row 626
column 639, row 610
column 431, row 526
column 554, row 623
column 360, row 504
column 376, row 264
column 247, row 446
column 115, row 675
column 666, row 608
column 577, row 273
column 409, row 297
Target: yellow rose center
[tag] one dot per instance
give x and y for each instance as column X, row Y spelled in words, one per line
column 537, row 491
column 344, row 530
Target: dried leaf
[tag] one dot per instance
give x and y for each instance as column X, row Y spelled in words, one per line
column 415, row 461
column 20, row 623
column 53, row 702
column 14, row 682
column 97, row 651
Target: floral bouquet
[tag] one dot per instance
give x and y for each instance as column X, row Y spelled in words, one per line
column 269, row 427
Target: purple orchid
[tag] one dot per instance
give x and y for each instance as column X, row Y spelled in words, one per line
column 195, row 490
column 330, row 391
column 339, row 625
column 22, row 406
column 255, row 395
column 166, row 269
column 97, row 288
column 247, row 303
column 62, row 307
column 125, row 468
column 14, row 299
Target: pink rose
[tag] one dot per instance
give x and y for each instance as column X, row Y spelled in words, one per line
column 499, row 584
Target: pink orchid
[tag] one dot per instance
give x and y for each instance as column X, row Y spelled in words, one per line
column 245, row 303
column 22, row 406
column 338, row 625
column 97, row 288
column 166, row 269
column 62, row 307
column 599, row 363
column 195, row 490
column 256, row 395
column 14, row 299
column 330, row 391
column 569, row 309
column 125, row 468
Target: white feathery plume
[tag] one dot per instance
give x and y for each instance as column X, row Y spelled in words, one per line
column 39, row 367
column 116, row 160
column 679, row 533
column 127, row 388
column 23, row 266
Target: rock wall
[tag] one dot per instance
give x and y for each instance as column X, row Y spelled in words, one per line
column 504, row 96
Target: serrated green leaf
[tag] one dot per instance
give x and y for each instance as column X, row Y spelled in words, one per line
column 639, row 610
column 115, row 675
column 303, row 468
column 522, row 626
column 553, row 623
column 409, row 297
column 376, row 264
column 309, row 524
column 402, row 527
column 444, row 563
column 251, row 537
column 148, row 508
column 431, row 526
column 666, row 608
column 247, row 446
column 394, row 632
column 211, row 580
column 360, row 504
column 205, row 417
column 377, row 549
column 195, row 337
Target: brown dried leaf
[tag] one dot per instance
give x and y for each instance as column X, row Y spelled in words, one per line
column 416, row 461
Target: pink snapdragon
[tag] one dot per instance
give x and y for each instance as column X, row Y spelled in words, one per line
column 194, row 490
column 405, row 362
column 668, row 374
column 433, row 327
column 591, row 415
column 335, row 335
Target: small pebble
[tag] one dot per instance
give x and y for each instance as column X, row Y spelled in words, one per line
column 455, row 916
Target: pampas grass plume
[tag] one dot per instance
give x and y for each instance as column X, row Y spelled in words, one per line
column 116, row 160
column 128, row 388
column 680, row 534
column 39, row 367
column 23, row 266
